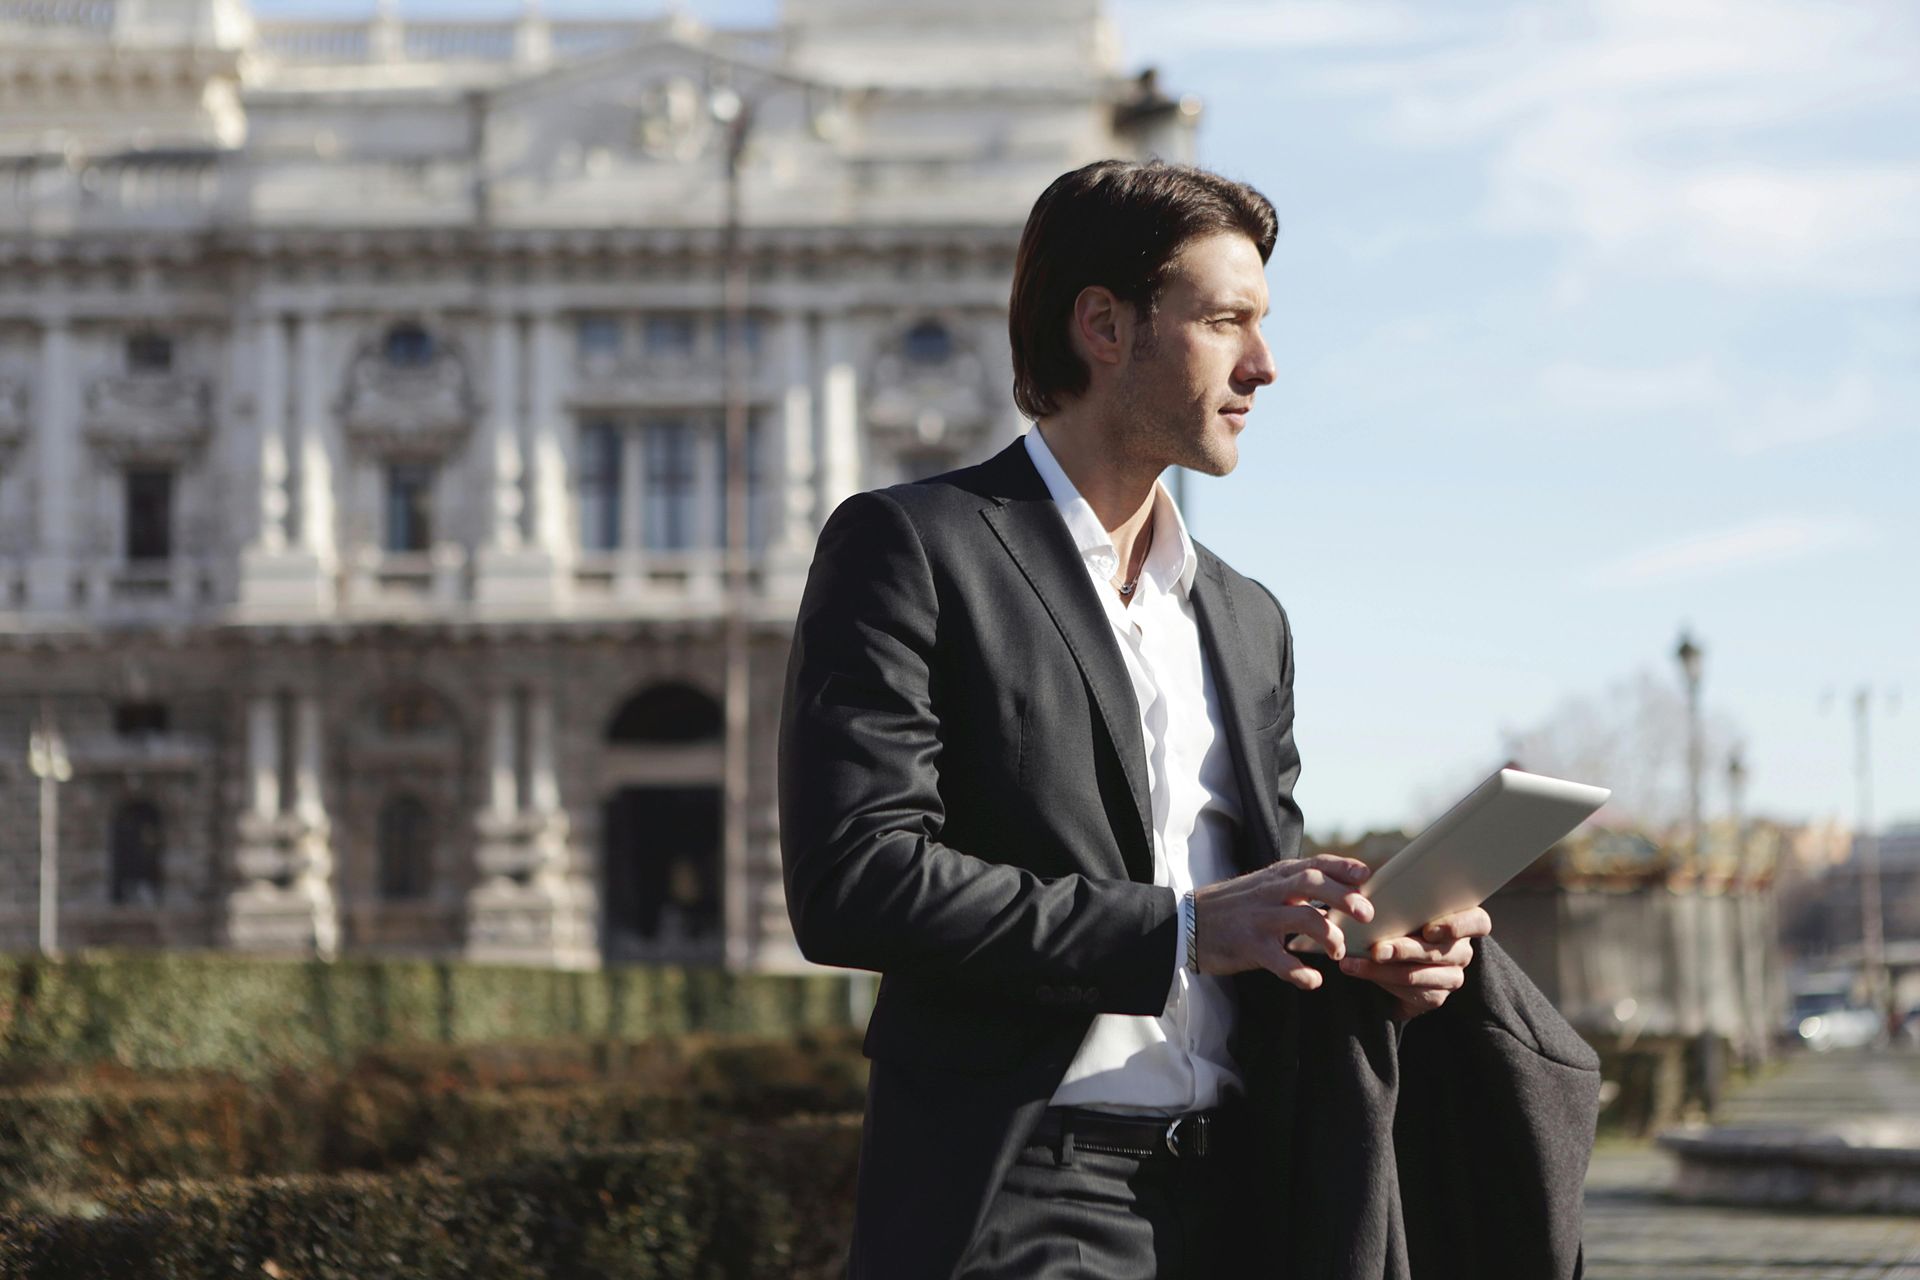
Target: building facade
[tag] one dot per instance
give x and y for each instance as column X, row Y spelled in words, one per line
column 362, row 465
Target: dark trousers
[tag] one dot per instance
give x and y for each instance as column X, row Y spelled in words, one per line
column 1066, row 1214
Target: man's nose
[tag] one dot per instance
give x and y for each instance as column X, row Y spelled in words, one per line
column 1256, row 366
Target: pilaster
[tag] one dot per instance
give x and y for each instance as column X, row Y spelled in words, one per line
column 840, row 413
column 509, row 572
column 279, row 574
column 530, row 906
column 283, row 856
column 56, row 471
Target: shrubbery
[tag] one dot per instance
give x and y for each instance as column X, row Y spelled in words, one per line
column 169, row 1011
column 465, row 1107
column 181, row 1117
column 744, row 1202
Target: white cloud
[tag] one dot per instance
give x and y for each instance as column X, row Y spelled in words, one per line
column 1689, row 137
column 1693, row 384
column 1757, row 543
column 1852, row 404
column 1745, row 415
column 1154, row 29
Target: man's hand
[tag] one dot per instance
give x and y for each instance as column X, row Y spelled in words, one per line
column 1420, row 972
column 1243, row 923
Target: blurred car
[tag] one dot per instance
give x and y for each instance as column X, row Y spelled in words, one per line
column 1827, row 1020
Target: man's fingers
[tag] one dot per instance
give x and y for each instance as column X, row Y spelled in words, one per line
column 1314, row 932
column 1325, row 867
column 1406, row 978
column 1472, row 923
column 1412, row 950
column 1290, row 968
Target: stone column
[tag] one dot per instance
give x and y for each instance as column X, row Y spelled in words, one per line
column 270, row 415
column 56, row 471
column 530, row 906
column 633, row 529
column 281, row 573
column 503, row 430
column 543, row 779
column 263, row 757
column 510, row 573
column 284, row 861
column 503, row 765
column 550, row 449
column 790, row 531
column 314, row 446
column 705, row 578
column 840, row 414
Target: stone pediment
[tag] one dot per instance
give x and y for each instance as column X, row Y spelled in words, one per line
column 157, row 417
column 408, row 410
column 647, row 104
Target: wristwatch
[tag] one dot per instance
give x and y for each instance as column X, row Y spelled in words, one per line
column 1190, row 918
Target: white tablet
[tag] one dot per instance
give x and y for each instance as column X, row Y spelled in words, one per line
column 1469, row 852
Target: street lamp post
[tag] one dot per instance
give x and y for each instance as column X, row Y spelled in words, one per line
column 1691, row 658
column 735, row 115
column 1872, row 939
column 47, row 758
column 1748, row 995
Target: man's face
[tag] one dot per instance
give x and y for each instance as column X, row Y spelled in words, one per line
column 1185, row 392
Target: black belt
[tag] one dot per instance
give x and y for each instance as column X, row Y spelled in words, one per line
column 1192, row 1135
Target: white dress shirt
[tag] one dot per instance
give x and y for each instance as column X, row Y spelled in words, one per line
column 1178, row 1060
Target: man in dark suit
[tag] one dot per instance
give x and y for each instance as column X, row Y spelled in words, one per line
column 1037, row 769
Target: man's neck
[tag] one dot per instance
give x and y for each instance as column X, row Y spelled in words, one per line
column 1121, row 495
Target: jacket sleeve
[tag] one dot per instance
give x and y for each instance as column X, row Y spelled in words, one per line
column 870, row 885
column 1286, row 751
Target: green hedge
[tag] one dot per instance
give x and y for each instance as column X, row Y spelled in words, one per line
column 459, row 1106
column 218, row 1011
column 772, row 1201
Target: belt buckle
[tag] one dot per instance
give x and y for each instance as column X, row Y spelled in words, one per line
column 1174, row 1138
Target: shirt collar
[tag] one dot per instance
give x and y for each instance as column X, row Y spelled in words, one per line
column 1168, row 560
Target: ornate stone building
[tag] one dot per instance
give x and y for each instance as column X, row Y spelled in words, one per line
column 361, row 464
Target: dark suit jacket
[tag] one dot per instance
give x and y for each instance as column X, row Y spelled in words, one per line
column 963, row 808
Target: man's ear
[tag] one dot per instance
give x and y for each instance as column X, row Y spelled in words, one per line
column 1101, row 328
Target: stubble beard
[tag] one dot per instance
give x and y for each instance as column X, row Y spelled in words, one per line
column 1163, row 426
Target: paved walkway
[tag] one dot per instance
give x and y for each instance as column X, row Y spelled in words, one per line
column 1635, row 1233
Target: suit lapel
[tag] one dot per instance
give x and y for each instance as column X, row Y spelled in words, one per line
column 1034, row 533
column 1238, row 681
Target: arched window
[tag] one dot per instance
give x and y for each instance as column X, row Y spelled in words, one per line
column 928, row 343
column 666, row 713
column 408, row 346
column 138, row 844
column 406, row 853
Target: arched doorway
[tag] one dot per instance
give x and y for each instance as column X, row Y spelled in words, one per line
column 661, row 884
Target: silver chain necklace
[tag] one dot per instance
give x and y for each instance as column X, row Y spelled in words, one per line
column 1126, row 588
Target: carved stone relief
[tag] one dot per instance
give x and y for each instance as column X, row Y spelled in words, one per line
column 148, row 417
column 420, row 410
column 925, row 394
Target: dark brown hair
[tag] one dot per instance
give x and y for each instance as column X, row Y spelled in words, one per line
column 1116, row 223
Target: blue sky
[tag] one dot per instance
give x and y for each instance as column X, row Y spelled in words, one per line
column 1594, row 320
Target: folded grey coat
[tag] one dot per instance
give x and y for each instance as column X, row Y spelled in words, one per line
column 1453, row 1146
